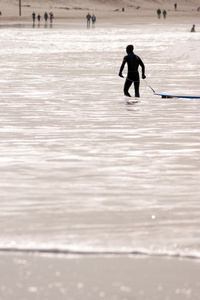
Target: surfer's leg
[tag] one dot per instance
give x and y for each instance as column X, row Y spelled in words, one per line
column 137, row 85
column 127, row 86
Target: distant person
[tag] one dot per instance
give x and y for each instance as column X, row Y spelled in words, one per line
column 38, row 18
column 192, row 29
column 88, row 17
column 122, row 8
column 94, row 19
column 51, row 17
column 175, row 6
column 133, row 62
column 164, row 14
column 0, row 13
column 45, row 16
column 33, row 16
column 159, row 13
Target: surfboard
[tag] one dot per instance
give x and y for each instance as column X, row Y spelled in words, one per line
column 177, row 96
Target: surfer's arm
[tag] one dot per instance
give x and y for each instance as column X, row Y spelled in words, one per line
column 122, row 67
column 143, row 68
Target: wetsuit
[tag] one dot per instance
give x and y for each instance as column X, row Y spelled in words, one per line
column 133, row 61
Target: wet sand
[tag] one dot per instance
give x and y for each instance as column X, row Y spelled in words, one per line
column 33, row 276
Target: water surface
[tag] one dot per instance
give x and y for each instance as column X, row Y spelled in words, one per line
column 83, row 169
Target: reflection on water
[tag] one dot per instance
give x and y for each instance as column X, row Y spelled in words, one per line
column 85, row 168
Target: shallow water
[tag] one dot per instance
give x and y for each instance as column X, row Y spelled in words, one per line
column 82, row 169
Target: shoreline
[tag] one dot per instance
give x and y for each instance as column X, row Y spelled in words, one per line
column 115, row 24
column 114, row 20
column 74, row 277
column 93, row 253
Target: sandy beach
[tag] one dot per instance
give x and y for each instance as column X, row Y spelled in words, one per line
column 37, row 277
column 106, row 11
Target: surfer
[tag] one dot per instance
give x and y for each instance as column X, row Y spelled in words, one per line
column 192, row 29
column 133, row 61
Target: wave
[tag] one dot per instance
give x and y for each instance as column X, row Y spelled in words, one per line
column 94, row 252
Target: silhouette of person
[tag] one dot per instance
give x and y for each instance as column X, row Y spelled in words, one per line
column 88, row 17
column 164, row 14
column 93, row 19
column 33, row 16
column 192, row 29
column 159, row 13
column 51, row 16
column 45, row 16
column 133, row 61
column 175, row 6
column 38, row 17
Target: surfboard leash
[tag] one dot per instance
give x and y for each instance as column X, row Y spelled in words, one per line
column 150, row 86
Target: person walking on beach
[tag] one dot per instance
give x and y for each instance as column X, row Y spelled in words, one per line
column 45, row 16
column 51, row 17
column 33, row 16
column 159, row 13
column 133, row 62
column 175, row 6
column 88, row 17
column 38, row 18
column 93, row 19
column 164, row 14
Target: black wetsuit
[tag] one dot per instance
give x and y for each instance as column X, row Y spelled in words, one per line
column 133, row 61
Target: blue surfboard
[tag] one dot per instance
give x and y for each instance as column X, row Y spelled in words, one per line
column 177, row 96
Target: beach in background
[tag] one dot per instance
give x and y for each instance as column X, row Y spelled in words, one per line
column 106, row 11
column 99, row 193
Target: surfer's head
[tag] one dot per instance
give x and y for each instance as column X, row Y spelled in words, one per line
column 129, row 49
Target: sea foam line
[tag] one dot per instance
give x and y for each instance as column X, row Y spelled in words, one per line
column 56, row 251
